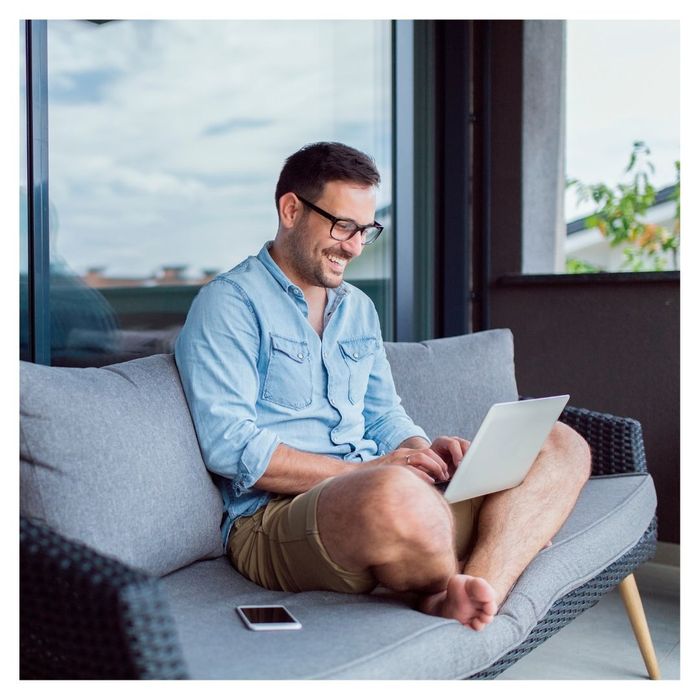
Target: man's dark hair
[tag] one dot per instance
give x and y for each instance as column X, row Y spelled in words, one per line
column 307, row 171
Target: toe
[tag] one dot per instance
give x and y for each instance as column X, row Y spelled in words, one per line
column 490, row 608
column 480, row 591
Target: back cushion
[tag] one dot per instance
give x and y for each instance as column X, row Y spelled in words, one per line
column 109, row 457
column 448, row 385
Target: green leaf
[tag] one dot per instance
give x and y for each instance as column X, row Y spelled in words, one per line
column 620, row 211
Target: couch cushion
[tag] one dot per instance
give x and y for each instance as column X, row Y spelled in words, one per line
column 377, row 635
column 448, row 385
column 109, row 457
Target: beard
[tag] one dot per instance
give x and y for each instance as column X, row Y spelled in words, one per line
column 311, row 264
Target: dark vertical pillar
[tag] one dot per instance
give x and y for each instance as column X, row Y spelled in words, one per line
column 453, row 230
column 481, row 189
column 505, row 144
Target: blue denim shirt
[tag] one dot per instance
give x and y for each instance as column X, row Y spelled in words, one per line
column 256, row 374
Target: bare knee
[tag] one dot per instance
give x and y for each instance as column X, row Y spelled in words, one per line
column 382, row 514
column 408, row 512
column 572, row 451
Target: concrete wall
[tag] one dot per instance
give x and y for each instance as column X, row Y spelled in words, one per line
column 543, row 134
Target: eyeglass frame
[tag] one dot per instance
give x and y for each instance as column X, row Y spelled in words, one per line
column 335, row 219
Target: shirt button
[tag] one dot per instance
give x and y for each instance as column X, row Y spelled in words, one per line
column 301, row 355
column 355, row 355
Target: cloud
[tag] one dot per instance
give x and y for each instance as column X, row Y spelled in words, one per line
column 235, row 124
column 84, row 85
column 168, row 136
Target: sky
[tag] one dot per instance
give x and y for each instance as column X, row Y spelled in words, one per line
column 184, row 127
column 622, row 85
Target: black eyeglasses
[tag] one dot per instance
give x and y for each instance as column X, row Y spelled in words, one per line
column 345, row 229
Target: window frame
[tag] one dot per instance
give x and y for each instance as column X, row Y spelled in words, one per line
column 37, row 129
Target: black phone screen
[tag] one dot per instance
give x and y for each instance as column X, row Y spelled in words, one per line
column 266, row 614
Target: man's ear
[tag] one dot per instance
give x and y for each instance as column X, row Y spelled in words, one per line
column 290, row 210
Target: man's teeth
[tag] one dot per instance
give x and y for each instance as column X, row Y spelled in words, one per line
column 338, row 261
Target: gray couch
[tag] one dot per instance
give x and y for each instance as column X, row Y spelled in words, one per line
column 122, row 573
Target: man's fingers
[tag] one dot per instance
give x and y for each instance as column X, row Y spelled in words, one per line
column 465, row 445
column 453, row 446
column 430, row 463
column 442, row 470
column 456, row 450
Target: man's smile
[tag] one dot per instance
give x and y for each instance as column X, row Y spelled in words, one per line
column 337, row 263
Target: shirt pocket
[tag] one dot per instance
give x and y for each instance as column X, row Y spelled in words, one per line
column 358, row 354
column 288, row 378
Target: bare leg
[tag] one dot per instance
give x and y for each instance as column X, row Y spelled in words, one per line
column 391, row 522
column 514, row 525
column 388, row 520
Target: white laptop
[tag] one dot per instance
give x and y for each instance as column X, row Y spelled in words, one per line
column 505, row 447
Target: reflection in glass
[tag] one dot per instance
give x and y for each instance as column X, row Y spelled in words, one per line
column 170, row 177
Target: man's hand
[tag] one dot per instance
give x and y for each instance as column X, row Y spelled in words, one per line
column 451, row 450
column 423, row 461
column 433, row 463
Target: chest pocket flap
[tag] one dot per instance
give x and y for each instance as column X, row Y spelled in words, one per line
column 298, row 350
column 358, row 348
column 288, row 381
column 359, row 357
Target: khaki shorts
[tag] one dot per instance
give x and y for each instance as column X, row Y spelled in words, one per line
column 279, row 546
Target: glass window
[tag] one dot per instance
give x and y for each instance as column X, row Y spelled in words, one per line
column 622, row 145
column 166, row 139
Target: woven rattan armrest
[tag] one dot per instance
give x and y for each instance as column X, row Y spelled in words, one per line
column 84, row 615
column 616, row 443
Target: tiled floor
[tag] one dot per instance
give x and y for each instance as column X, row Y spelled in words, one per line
column 600, row 644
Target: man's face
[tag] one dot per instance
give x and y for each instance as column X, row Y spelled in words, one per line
column 317, row 258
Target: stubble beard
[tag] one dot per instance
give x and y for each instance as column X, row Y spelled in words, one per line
column 311, row 269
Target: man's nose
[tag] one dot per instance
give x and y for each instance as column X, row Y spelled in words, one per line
column 353, row 246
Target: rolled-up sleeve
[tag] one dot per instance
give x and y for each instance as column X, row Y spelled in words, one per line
column 386, row 421
column 216, row 354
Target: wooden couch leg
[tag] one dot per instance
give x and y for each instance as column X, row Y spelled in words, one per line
column 635, row 612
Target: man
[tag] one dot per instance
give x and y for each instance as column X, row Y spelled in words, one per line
column 326, row 482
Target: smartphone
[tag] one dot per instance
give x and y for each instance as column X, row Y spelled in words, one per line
column 268, row 617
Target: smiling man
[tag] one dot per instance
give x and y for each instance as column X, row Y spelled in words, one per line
column 326, row 481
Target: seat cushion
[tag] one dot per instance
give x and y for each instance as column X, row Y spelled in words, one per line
column 448, row 385
column 109, row 456
column 379, row 636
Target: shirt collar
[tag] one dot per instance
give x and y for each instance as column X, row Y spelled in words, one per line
column 274, row 269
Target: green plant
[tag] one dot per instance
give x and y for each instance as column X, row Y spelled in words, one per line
column 576, row 266
column 620, row 212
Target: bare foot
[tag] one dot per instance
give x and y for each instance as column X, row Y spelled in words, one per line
column 467, row 599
